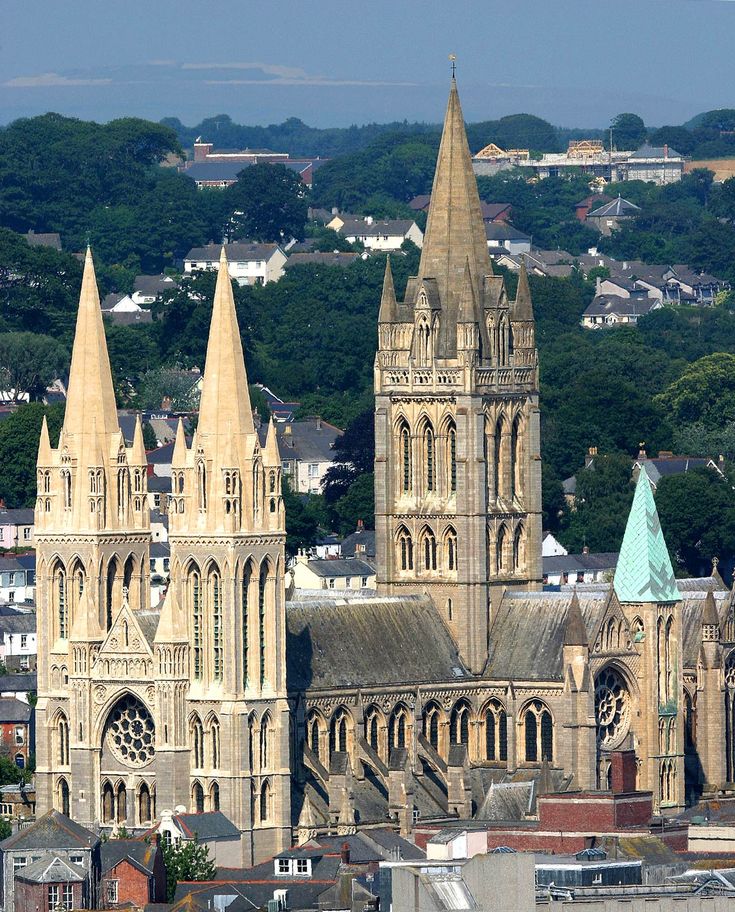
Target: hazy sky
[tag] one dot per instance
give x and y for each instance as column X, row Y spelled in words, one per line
column 335, row 62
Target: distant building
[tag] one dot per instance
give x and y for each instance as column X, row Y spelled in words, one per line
column 124, row 311
column 341, row 573
column 248, row 263
column 572, row 569
column 147, row 288
column 611, row 216
column 18, row 649
column 667, row 464
column 500, row 234
column 491, row 212
column 316, row 258
column 132, row 874
column 377, row 235
column 44, row 239
column 307, row 451
column 16, row 528
column 16, row 734
column 360, row 543
column 18, row 578
column 612, row 310
column 207, row 827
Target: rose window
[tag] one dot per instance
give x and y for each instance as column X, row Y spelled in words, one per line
column 612, row 708
column 131, row 733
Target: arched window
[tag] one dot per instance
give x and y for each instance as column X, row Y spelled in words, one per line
column 245, row 605
column 144, row 804
column 262, row 587
column 428, row 547
column 264, row 741
column 313, row 734
column 108, row 803
column 214, row 797
column 539, row 730
column 197, row 743
column 372, row 728
column 62, row 737
column 431, row 725
column 404, row 436
column 516, row 460
column 452, row 456
column 500, row 550
column 429, row 459
column 253, row 802
column 197, row 798
column 215, row 593
column 62, row 612
column 459, row 724
column 122, row 804
column 197, row 620
column 424, row 342
column 66, row 488
column 265, row 802
column 251, row 741
column 123, row 493
column 338, row 730
column 257, row 493
column 496, row 732
column 690, row 721
column 398, row 728
column 518, row 549
column 112, row 576
column 661, row 660
column 214, row 741
column 202, row 485
column 450, row 549
column 498, row 458
column 404, row 545
column 62, row 792
column 668, row 658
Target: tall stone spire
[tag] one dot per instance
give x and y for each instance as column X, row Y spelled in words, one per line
column 644, row 572
column 388, row 305
column 225, row 403
column 455, row 231
column 522, row 307
column 91, row 396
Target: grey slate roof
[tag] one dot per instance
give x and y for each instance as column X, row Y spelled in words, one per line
column 648, row 151
column 617, row 208
column 228, row 170
column 44, row 239
column 613, row 304
column 18, row 683
column 141, row 854
column 501, row 231
column 209, row 825
column 691, row 621
column 154, row 284
column 350, row 566
column 51, row 869
column 391, row 227
column 317, row 258
column 672, row 465
column 52, row 831
column 310, row 439
column 12, row 710
column 148, row 622
column 19, row 623
column 574, row 563
column 333, row 643
column 19, row 517
column 364, row 538
column 235, row 252
column 527, row 634
column 508, row 801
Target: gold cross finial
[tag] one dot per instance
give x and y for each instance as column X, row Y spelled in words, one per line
column 453, row 58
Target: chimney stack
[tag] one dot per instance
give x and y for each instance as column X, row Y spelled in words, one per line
column 345, row 853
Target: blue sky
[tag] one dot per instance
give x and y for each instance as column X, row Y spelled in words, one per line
column 574, row 62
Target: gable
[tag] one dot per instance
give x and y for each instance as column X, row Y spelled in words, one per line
column 126, row 636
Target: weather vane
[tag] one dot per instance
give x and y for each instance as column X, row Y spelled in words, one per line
column 453, row 58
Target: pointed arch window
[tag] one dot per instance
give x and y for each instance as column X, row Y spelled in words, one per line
column 539, row 731
column 372, row 728
column 459, row 724
column 405, row 549
column 62, row 611
column 452, row 457
column 257, row 493
column 245, row 604
column 516, row 462
column 144, row 804
column 264, row 741
column 398, row 727
column 518, row 549
column 429, row 459
column 669, row 682
column 450, row 549
column 500, row 550
column 431, row 725
column 429, row 550
column 62, row 734
column 262, row 591
column 496, row 732
column 404, row 436
column 197, row 743
column 215, row 589
column 197, row 620
column 66, row 487
column 338, row 730
column 197, row 797
column 214, row 740
column 265, row 801
column 313, row 735
column 498, row 458
column 202, row 484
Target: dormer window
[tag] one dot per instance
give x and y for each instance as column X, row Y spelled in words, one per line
column 303, row 867
column 293, row 867
column 283, row 866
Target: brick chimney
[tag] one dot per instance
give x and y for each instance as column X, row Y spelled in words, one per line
column 622, row 771
column 345, row 853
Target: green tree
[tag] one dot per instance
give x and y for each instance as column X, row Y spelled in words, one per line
column 602, row 503
column 6, row 828
column 301, row 519
column 171, row 383
column 150, row 441
column 704, row 393
column 629, row 131
column 19, row 436
column 268, row 203
column 186, row 860
column 29, row 363
column 358, row 503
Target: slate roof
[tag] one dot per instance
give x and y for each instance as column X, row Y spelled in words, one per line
column 337, row 258
column 52, row 831
column 334, row 643
column 307, row 440
column 148, row 623
column 574, row 563
column 614, row 304
column 691, row 622
column 159, row 484
column 157, row 549
column 235, row 252
column 228, row 170
column 702, row 584
column 154, row 284
column 617, row 208
column 18, row 683
column 649, row 151
column 364, row 538
column 391, row 227
column 139, row 853
column 644, row 572
column 51, row 869
column 502, row 231
column 19, row 623
column 44, row 239
column 490, row 211
column 209, row 825
column 656, row 469
column 350, row 566
column 527, row 633
column 12, row 710
column 20, row 517
column 508, row 801
column 161, row 456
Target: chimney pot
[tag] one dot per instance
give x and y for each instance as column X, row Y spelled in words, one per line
column 345, row 853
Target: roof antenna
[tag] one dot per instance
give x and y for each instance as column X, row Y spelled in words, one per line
column 453, row 58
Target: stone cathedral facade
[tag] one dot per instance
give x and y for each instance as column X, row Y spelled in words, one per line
column 461, row 676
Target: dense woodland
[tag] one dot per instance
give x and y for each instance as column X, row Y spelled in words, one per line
column 667, row 384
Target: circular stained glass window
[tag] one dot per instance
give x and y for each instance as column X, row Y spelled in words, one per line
column 612, row 708
column 131, row 733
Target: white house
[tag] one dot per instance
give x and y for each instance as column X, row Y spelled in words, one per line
column 18, row 649
column 248, row 264
column 374, row 234
column 148, row 287
column 17, row 578
column 342, row 573
column 307, row 451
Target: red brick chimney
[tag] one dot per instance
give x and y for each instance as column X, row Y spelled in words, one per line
column 345, row 853
column 622, row 771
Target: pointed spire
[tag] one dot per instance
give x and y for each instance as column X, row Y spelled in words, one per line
column 467, row 313
column 138, row 454
column 86, row 627
column 710, row 617
column 90, row 393
column 225, row 402
column 307, row 817
column 644, row 572
column 455, row 230
column 271, row 453
column 44, row 445
column 575, row 633
column 171, row 625
column 522, row 307
column 388, row 306
column 178, row 457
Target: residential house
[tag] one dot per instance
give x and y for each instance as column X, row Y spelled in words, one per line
column 248, row 263
column 69, row 855
column 500, row 234
column 666, row 464
column 573, row 569
column 686, row 286
column 148, row 288
column 593, row 201
column 219, row 168
column 613, row 310
column 159, row 461
column 18, row 649
column 20, row 686
column 557, row 263
column 16, row 527
column 339, row 573
column 550, row 546
column 18, row 579
column 209, row 828
column 611, row 216
column 316, row 258
column 280, row 410
column 307, row 451
column 491, row 212
column 124, row 311
column 375, row 234
column 160, row 561
column 133, row 874
column 43, row 239
column 657, row 164
column 17, row 801
column 16, row 730
column 360, row 543
column 159, row 492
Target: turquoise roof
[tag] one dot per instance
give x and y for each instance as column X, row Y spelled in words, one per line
column 644, row 572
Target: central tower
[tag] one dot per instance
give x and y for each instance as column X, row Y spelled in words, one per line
column 457, row 450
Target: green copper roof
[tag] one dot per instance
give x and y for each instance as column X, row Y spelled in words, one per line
column 644, row 572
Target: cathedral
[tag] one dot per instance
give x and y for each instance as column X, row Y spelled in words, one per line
column 318, row 713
